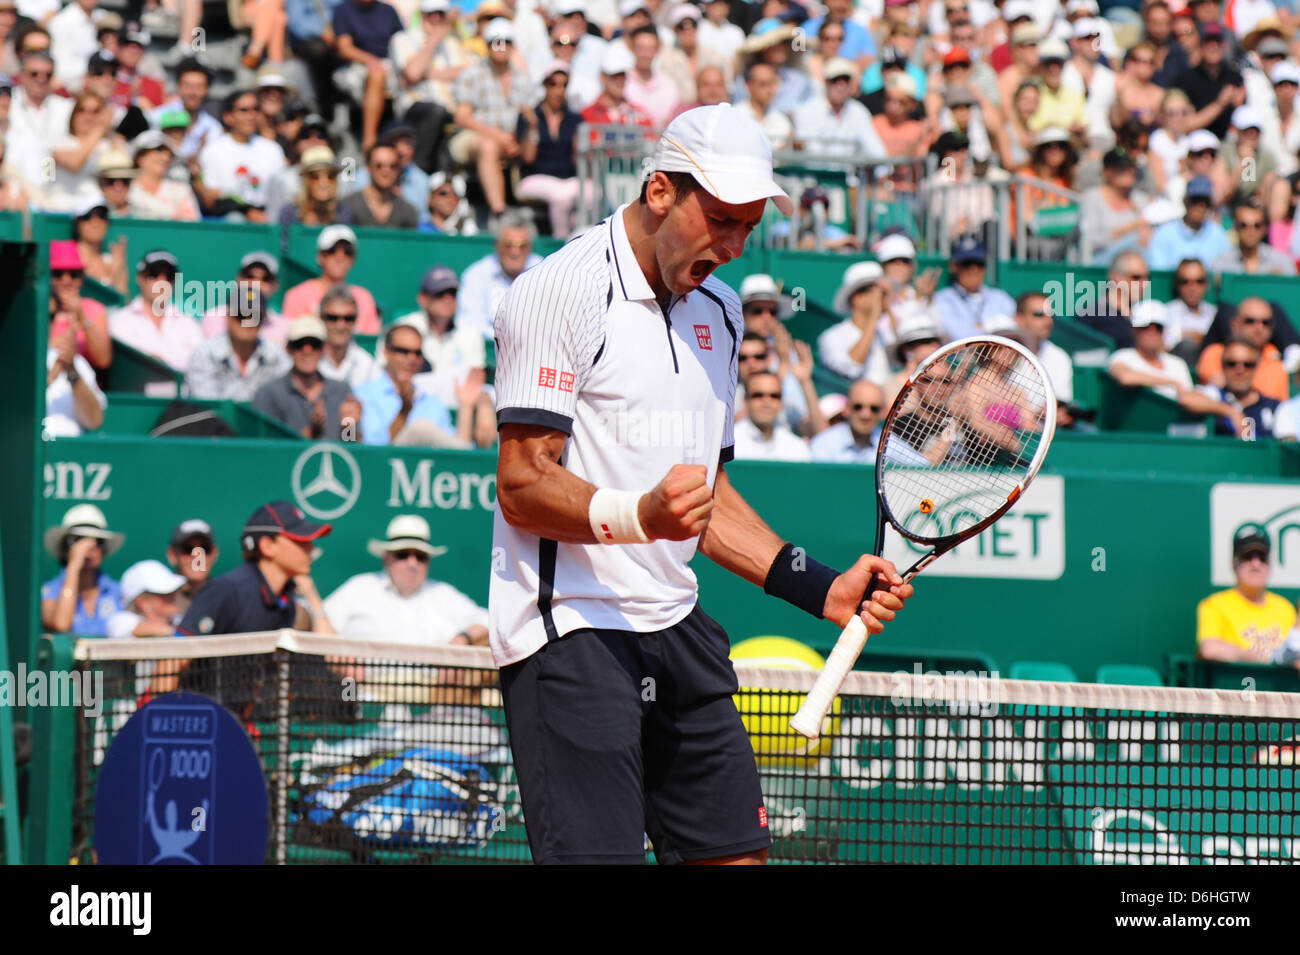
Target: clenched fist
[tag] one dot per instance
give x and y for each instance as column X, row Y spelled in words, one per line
column 679, row 506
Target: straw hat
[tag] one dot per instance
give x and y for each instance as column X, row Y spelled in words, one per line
column 83, row 520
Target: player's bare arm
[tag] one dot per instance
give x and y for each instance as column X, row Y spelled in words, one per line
column 739, row 540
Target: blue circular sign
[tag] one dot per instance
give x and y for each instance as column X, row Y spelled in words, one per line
column 181, row 785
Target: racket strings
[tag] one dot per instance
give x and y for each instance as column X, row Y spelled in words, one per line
column 966, row 435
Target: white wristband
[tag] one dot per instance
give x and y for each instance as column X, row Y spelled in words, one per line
column 614, row 519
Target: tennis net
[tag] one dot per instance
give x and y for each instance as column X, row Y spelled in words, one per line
column 387, row 753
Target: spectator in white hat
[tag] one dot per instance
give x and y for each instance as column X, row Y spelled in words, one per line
column 151, row 322
column 336, row 253
column 684, row 58
column 612, row 106
column 236, row 364
column 150, row 607
column 316, row 407
column 1059, row 105
column 1282, row 133
column 917, row 339
column 1242, row 151
column 449, row 210
column 571, row 44
column 834, row 122
column 489, row 95
column 1093, row 80
column 400, row 602
column 153, row 195
column 549, row 172
column 853, row 348
column 429, row 57
column 81, row 598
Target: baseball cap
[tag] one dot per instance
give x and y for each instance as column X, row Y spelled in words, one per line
column 837, row 66
column 257, row 257
column 1118, row 158
column 958, row 96
column 434, row 6
column 1025, row 33
column 313, row 123
column 726, row 151
column 1250, row 540
column 1272, row 46
column 1086, row 26
column 438, row 279
column 1052, row 134
column 956, row 56
column 1200, row 187
column 1285, row 72
column 306, row 326
column 280, row 518
column 1247, row 117
column 1201, row 139
column 895, row 247
column 567, row 8
column 1014, row 10
column 759, row 287
column 174, row 119
column 1148, row 312
column 156, row 258
column 88, row 205
column 332, row 235
column 1212, row 31
column 687, row 11
column 857, row 276
column 616, row 59
column 891, row 57
column 901, row 83
column 629, row 7
column 499, row 30
column 969, row 249
column 149, row 139
column 195, row 527
column 1053, row 49
column 149, row 577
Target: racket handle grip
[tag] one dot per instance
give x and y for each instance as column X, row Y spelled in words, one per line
column 808, row 721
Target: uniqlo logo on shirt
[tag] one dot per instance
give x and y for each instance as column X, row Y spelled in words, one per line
column 546, row 378
column 566, row 381
column 704, row 337
column 762, row 817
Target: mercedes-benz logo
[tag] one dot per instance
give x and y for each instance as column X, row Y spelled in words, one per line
column 337, row 496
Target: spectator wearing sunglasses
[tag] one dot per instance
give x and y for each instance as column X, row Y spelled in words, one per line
column 317, row 201
column 114, row 175
column 449, row 212
column 1035, row 321
column 1195, row 236
column 762, row 435
column 261, row 271
column 1240, row 362
column 456, row 353
column 70, row 311
column 35, row 113
column 398, row 408
column 286, row 185
column 316, row 407
column 81, row 598
column 1190, row 316
column 855, row 439
column 236, row 364
column 343, row 359
column 400, row 602
column 235, row 167
column 104, row 263
column 548, row 167
column 336, row 253
column 378, row 204
column 151, row 322
column 761, row 304
column 1252, row 254
column 1248, row 624
column 1253, row 323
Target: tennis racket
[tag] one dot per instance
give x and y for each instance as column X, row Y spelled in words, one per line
column 961, row 442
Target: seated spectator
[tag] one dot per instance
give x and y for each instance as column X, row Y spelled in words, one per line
column 81, row 598
column 396, row 409
column 192, row 553
column 1247, row 624
column 1059, row 104
column 1253, row 322
column 1110, row 215
column 104, row 263
column 428, row 57
column 449, row 210
column 570, row 43
column 149, row 602
column 761, row 434
column 917, row 339
column 902, row 134
column 761, row 83
column 484, row 283
column 150, row 322
column 152, row 194
column 710, row 89
column 76, row 154
column 343, row 359
column 73, row 402
column 1240, row 359
column 854, row 440
column 1245, row 151
column 548, row 168
column 1053, row 161
column 259, row 271
column 69, row 310
column 834, row 123
column 770, row 41
column 1035, row 321
column 761, row 305
column 852, row 348
column 1148, row 365
column 455, row 352
column 317, row 201
column 652, row 90
column 272, row 90
column 1202, row 159
column 906, row 292
column 378, row 203
column 234, row 168
column 959, row 202
column 400, row 602
column 489, row 95
column 336, row 253
column 192, row 84
column 1252, row 254
column 1195, row 236
column 285, row 186
column 114, row 175
column 612, row 107
column 967, row 303
column 174, row 124
column 717, row 33
column 316, row 407
column 37, row 117
column 363, row 31
column 139, row 75
column 1189, row 314
column 412, row 182
column 73, row 36
column 235, row 365
column 1128, row 281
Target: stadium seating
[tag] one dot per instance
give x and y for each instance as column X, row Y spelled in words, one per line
column 1039, row 670
column 1129, row 674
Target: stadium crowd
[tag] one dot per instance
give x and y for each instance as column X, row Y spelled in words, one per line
column 1166, row 136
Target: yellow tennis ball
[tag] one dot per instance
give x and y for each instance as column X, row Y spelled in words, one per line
column 766, row 713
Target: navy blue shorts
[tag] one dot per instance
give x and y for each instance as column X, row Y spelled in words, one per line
column 618, row 735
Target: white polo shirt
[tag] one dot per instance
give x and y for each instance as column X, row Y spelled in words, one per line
column 368, row 605
column 172, row 341
column 584, row 348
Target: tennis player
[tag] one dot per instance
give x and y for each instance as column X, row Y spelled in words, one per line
column 616, row 377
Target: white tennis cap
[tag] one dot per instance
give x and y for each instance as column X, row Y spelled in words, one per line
column 895, row 247
column 617, row 59
column 148, row 577
column 1247, row 117
column 1148, row 312
column 1285, row 72
column 1202, row 139
column 1015, row 9
column 726, row 151
column 332, row 235
column 499, row 30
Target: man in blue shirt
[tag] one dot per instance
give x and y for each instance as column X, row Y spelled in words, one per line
column 965, row 306
column 855, row 439
column 1197, row 235
column 858, row 44
column 395, row 410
